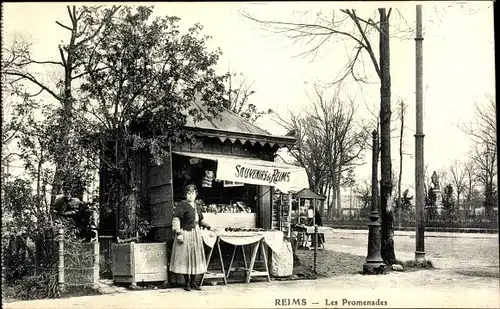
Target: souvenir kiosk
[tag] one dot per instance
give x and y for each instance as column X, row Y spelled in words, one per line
column 232, row 164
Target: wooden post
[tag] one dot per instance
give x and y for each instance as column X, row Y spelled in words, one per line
column 132, row 263
column 315, row 248
column 290, row 216
column 315, row 263
column 60, row 275
column 95, row 281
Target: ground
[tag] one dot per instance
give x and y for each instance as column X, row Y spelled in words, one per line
column 452, row 251
column 331, row 263
column 466, row 276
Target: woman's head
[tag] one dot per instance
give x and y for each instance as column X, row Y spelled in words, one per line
column 190, row 191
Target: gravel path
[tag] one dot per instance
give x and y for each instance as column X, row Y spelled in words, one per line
column 457, row 283
column 445, row 250
column 438, row 288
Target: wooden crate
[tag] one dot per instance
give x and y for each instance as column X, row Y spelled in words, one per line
column 133, row 262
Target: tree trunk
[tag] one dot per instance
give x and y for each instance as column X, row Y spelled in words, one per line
column 39, row 201
column 333, row 207
column 387, row 230
column 399, row 202
column 339, row 198
column 65, row 117
column 489, row 201
column 39, row 173
column 328, row 200
column 469, row 198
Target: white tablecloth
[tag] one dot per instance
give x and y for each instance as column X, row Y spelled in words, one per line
column 274, row 239
column 310, row 229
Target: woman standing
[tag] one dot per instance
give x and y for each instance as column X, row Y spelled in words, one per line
column 188, row 253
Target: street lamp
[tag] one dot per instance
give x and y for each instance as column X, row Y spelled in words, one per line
column 374, row 263
column 419, row 143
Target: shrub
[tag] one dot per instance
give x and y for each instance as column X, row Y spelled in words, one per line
column 42, row 285
column 417, row 264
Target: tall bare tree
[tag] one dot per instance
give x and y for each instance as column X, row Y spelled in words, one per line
column 387, row 230
column 340, row 26
column 484, row 126
column 483, row 131
column 308, row 141
column 470, row 184
column 485, row 161
column 402, row 107
column 330, row 142
column 344, row 140
column 459, row 182
column 363, row 191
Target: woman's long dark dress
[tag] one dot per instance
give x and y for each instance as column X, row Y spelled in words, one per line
column 188, row 257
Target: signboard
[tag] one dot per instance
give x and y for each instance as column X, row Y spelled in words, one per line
column 233, row 184
column 285, row 178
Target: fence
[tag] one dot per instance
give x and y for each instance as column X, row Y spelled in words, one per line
column 46, row 265
column 105, row 256
column 78, row 263
column 469, row 225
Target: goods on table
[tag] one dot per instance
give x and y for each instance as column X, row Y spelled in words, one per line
column 235, row 229
column 226, row 208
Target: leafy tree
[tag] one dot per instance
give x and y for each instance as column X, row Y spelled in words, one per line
column 85, row 26
column 19, row 206
column 449, row 201
column 144, row 79
column 430, row 204
column 17, row 104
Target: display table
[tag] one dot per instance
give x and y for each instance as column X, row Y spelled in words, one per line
column 214, row 275
column 302, row 233
column 273, row 239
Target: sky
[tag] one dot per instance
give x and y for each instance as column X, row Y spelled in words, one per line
column 458, row 61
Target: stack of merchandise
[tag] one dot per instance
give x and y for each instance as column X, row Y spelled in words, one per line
column 226, row 208
column 207, row 179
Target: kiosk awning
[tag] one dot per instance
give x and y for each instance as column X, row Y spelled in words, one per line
column 254, row 171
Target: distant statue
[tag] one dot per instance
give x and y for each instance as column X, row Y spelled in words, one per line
column 435, row 181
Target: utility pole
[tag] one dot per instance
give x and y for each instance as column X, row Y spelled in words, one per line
column 419, row 143
column 374, row 263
